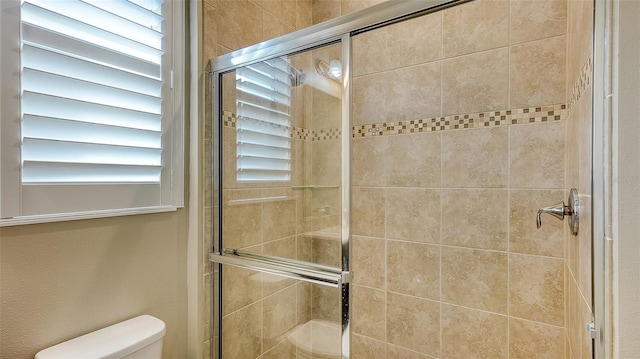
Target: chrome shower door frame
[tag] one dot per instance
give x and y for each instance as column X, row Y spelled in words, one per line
column 333, row 31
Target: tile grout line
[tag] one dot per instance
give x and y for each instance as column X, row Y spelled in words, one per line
column 440, row 295
column 440, row 299
column 509, row 180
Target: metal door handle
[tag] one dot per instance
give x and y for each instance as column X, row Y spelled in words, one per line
column 560, row 210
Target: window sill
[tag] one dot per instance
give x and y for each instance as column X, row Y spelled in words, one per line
column 60, row 217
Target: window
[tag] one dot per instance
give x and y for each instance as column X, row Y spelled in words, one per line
column 263, row 103
column 93, row 122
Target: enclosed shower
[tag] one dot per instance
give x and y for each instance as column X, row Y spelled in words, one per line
column 376, row 179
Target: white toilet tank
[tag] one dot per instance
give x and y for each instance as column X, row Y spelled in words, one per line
column 136, row 338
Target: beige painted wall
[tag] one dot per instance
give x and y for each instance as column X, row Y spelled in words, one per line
column 627, row 180
column 61, row 280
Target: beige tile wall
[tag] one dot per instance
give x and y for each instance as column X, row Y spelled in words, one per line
column 405, row 185
column 445, row 241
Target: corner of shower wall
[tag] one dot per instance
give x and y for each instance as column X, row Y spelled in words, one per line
column 578, row 258
column 223, row 33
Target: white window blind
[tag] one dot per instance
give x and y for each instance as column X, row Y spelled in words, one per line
column 97, row 110
column 263, row 102
column 91, row 91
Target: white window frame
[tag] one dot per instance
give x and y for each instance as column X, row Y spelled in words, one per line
column 96, row 200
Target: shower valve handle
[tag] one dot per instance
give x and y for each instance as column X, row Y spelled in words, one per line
column 560, row 210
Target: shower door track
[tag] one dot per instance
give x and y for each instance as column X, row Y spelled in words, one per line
column 332, row 31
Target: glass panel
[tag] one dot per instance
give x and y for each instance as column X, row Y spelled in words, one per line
column 278, row 317
column 281, row 157
column 281, row 122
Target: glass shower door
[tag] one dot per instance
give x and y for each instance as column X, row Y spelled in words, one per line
column 279, row 207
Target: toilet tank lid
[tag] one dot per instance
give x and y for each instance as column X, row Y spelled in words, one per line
column 111, row 342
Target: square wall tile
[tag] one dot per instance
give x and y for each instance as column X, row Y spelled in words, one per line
column 243, row 333
column 304, row 14
column 475, row 218
column 324, row 10
column 413, row 214
column 209, row 41
column 272, row 26
column 537, row 73
column 368, row 256
column 365, row 347
column 241, row 221
column 283, row 350
column 483, row 273
column 368, row 104
column 326, row 162
column 536, row 288
column 475, row 26
column 580, row 37
column 234, row 34
column 327, row 303
column 419, row 40
column 284, row 10
column 469, row 333
column 412, row 160
column 413, row 93
column 574, row 325
column 524, row 237
column 413, row 323
column 475, row 83
column 368, row 211
column 572, row 147
column 369, row 312
column 326, row 250
column 413, row 269
column 304, row 302
column 286, row 248
column 535, row 340
column 368, row 57
column 475, row 158
column 279, row 218
column 279, row 316
column 537, row 155
column 246, row 288
column 368, row 161
column 535, row 19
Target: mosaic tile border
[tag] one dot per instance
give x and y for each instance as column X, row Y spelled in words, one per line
column 325, row 134
column 230, row 119
column 476, row 120
column 581, row 84
column 455, row 122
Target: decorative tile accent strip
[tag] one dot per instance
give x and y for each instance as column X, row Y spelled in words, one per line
column 475, row 120
column 455, row 122
column 299, row 133
column 325, row 134
column 581, row 84
column 230, row 119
